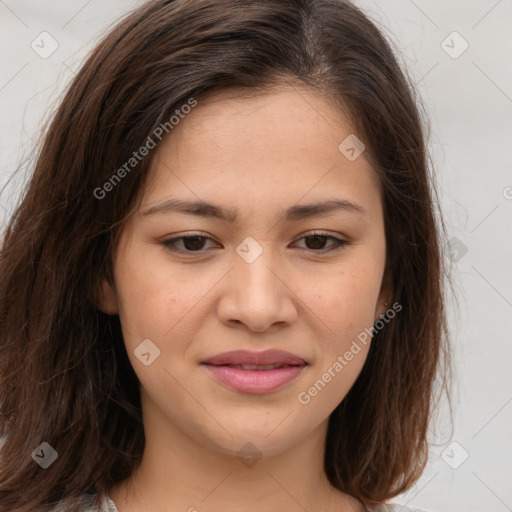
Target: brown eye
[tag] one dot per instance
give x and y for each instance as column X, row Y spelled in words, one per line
column 190, row 244
column 316, row 242
column 193, row 243
column 196, row 243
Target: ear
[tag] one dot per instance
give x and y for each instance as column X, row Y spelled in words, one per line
column 385, row 295
column 107, row 302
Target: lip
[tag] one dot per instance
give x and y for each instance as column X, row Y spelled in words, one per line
column 251, row 357
column 255, row 380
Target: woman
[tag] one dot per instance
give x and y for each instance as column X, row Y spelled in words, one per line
column 223, row 285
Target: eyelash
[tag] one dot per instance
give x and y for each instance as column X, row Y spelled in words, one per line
column 338, row 243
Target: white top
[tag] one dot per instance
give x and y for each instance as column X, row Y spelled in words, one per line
column 107, row 505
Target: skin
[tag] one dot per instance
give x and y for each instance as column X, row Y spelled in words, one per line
column 259, row 154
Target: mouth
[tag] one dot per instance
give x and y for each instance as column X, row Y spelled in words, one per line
column 255, row 372
column 248, row 358
column 259, row 367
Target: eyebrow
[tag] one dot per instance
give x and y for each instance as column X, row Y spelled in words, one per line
column 294, row 213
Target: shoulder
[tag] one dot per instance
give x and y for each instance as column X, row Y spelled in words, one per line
column 87, row 503
column 396, row 507
column 98, row 503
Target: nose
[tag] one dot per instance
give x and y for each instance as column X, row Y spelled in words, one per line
column 257, row 295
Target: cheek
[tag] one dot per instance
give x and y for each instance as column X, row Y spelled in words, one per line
column 346, row 299
column 151, row 300
column 346, row 307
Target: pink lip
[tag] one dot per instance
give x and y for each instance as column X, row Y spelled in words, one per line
column 255, row 381
column 249, row 357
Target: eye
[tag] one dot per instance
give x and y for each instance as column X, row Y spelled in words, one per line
column 317, row 240
column 192, row 243
column 195, row 243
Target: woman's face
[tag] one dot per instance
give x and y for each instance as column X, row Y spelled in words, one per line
column 252, row 276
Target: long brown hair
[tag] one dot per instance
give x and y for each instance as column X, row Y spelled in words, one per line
column 65, row 377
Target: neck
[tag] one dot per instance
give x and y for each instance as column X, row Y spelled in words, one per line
column 178, row 473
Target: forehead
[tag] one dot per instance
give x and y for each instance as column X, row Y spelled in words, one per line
column 294, row 115
column 279, row 143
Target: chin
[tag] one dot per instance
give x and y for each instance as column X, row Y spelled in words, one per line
column 249, row 439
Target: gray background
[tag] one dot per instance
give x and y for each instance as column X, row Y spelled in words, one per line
column 469, row 100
